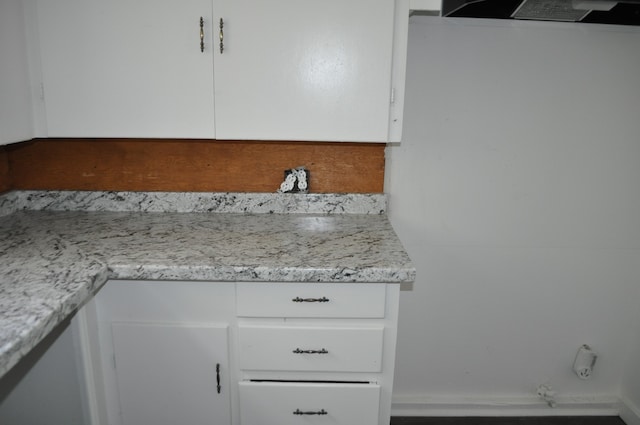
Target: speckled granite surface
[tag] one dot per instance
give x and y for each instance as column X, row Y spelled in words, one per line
column 52, row 262
column 279, row 203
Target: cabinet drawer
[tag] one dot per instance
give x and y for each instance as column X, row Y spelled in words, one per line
column 263, row 403
column 311, row 300
column 286, row 348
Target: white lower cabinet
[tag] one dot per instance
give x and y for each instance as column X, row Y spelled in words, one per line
column 162, row 354
column 212, row 353
column 316, row 353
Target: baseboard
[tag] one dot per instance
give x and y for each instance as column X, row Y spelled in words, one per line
column 506, row 406
column 629, row 412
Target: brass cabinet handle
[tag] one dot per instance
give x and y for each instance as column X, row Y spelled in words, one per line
column 201, row 34
column 221, row 36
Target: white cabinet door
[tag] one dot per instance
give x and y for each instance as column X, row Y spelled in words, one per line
column 304, row 70
column 169, row 374
column 15, row 95
column 120, row 68
column 162, row 348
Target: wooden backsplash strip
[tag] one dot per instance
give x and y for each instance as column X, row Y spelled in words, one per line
column 193, row 165
column 5, row 182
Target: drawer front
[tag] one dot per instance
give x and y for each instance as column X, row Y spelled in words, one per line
column 311, row 300
column 263, row 403
column 286, row 348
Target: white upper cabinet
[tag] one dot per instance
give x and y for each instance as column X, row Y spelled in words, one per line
column 304, row 70
column 288, row 70
column 120, row 68
column 15, row 95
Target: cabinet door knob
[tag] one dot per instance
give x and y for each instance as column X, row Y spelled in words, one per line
column 221, row 35
column 201, row 34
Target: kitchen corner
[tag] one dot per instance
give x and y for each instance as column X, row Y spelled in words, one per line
column 61, row 247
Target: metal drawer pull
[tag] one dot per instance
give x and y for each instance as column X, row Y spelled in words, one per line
column 201, row 34
column 218, row 377
column 221, row 35
column 310, row 300
column 321, row 351
column 300, row 412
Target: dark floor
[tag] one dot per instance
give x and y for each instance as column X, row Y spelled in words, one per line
column 547, row 420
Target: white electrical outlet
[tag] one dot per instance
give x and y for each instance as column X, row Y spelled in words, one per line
column 584, row 362
column 296, row 180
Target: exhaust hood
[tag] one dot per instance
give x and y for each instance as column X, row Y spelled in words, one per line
column 625, row 12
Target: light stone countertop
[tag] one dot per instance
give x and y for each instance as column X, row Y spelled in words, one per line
column 58, row 248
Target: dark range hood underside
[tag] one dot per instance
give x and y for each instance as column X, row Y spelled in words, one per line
column 623, row 13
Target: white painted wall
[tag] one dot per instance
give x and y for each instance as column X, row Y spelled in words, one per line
column 515, row 191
